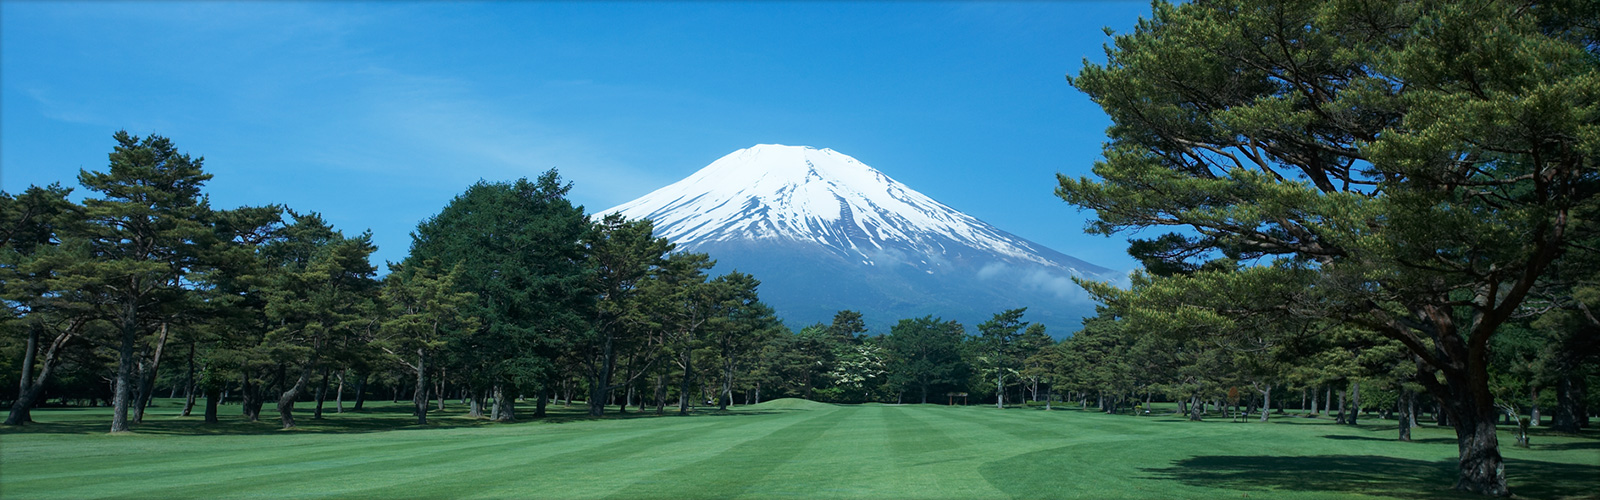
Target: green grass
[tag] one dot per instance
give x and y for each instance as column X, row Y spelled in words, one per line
column 779, row 449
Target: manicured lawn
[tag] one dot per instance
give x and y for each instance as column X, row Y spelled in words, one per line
column 785, row 449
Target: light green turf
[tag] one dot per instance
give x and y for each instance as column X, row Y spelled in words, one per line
column 781, row 449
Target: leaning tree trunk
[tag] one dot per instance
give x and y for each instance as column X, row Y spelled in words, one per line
column 361, row 390
column 1195, row 408
column 286, row 400
column 21, row 413
column 338, row 395
column 22, row 409
column 188, row 384
column 147, row 384
column 1266, row 402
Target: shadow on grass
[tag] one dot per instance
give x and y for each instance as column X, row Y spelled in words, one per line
column 1582, row 445
column 383, row 417
column 1391, row 439
column 1374, row 475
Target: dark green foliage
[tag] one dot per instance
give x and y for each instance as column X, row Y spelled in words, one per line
column 926, row 356
column 519, row 248
column 1424, row 163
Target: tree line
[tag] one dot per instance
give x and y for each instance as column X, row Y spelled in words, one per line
column 509, row 292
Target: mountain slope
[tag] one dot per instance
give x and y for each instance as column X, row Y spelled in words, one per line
column 825, row 232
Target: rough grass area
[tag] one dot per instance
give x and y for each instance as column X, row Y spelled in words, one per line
column 780, row 449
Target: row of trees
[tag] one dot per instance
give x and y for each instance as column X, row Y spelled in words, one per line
column 511, row 290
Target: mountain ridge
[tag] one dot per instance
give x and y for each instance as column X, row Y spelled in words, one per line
column 785, row 213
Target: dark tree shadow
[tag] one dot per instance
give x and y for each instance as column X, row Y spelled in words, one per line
column 1346, row 437
column 1581, row 445
column 383, row 417
column 1385, row 476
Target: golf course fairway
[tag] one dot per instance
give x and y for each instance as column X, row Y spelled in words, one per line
column 779, row 449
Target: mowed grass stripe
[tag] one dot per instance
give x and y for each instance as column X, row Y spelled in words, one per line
column 844, row 461
column 294, row 473
column 733, row 469
column 573, row 465
column 793, row 449
column 935, row 455
column 600, row 479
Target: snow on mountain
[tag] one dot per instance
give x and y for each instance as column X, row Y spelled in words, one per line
column 801, row 219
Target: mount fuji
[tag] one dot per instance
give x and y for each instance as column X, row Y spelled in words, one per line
column 825, row 232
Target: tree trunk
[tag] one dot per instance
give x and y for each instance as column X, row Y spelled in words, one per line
column 600, row 385
column 21, row 412
column 661, row 393
column 213, row 397
column 544, row 400
column 683, row 387
column 1571, row 415
column 1344, row 394
column 1195, row 409
column 122, row 392
column 1314, row 393
column 1266, row 402
column 322, row 395
column 999, row 391
column 286, row 400
column 438, row 388
column 361, row 390
column 1355, row 401
column 1533, row 407
column 505, row 405
column 188, row 384
column 22, row 409
column 727, row 385
column 147, row 383
column 338, row 395
column 249, row 399
column 1403, row 415
column 475, row 408
column 1482, row 470
column 419, row 398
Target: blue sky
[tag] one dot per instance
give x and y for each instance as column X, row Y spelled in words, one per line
column 376, row 114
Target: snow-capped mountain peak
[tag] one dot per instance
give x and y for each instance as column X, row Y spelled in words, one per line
column 825, row 232
column 773, row 191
